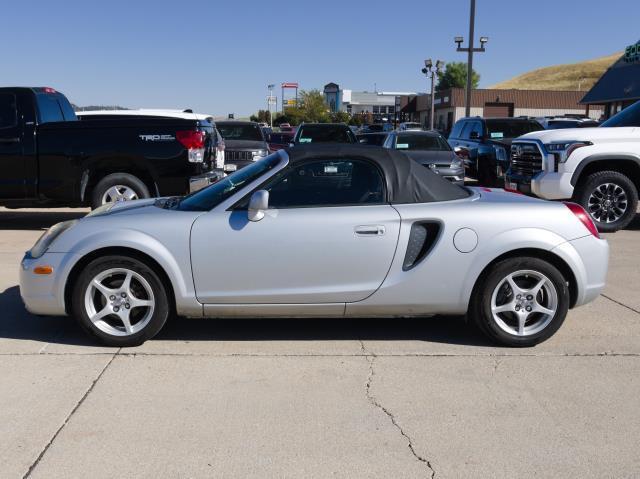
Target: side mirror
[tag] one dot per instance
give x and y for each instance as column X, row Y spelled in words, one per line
column 461, row 152
column 474, row 135
column 258, row 204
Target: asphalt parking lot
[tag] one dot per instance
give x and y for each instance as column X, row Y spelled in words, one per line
column 319, row 398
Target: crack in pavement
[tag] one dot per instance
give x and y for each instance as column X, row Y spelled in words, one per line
column 370, row 357
column 620, row 304
column 68, row 418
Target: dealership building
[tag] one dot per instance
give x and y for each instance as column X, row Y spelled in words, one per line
column 619, row 86
column 379, row 105
column 449, row 105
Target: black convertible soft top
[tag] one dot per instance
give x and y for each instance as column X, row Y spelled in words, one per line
column 407, row 181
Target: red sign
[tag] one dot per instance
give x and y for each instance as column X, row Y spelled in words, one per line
column 289, row 85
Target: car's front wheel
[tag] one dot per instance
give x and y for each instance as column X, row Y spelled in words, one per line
column 120, row 301
column 610, row 198
column 521, row 301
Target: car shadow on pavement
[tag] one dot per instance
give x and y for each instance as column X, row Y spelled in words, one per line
column 16, row 323
column 36, row 220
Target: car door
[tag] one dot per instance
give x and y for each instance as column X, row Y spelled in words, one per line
column 12, row 165
column 327, row 237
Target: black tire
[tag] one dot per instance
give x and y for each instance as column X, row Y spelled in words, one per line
column 153, row 324
column 114, row 180
column 591, row 183
column 480, row 308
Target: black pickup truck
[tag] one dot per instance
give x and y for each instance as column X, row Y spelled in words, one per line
column 50, row 158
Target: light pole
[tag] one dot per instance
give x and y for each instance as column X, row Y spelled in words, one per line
column 269, row 102
column 429, row 71
column 470, row 51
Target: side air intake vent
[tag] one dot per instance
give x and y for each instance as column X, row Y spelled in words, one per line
column 421, row 239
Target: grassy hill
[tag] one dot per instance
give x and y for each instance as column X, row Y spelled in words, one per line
column 571, row 76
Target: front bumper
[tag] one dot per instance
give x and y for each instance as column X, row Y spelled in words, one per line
column 44, row 294
column 202, row 181
column 549, row 185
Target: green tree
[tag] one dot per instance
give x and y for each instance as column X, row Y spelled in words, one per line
column 263, row 116
column 340, row 117
column 311, row 107
column 455, row 76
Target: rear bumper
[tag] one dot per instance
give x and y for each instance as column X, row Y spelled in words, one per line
column 588, row 258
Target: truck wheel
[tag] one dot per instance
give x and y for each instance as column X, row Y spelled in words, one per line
column 118, row 187
column 120, row 301
column 610, row 198
column 521, row 302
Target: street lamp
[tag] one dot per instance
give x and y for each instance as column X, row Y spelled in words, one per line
column 269, row 103
column 432, row 73
column 470, row 50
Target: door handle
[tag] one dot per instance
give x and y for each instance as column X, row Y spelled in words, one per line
column 9, row 140
column 370, row 230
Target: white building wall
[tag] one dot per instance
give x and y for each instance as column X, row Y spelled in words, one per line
column 535, row 112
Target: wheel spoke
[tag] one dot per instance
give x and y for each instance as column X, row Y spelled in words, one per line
column 140, row 303
column 503, row 308
column 125, row 287
column 124, row 317
column 541, row 309
column 106, row 311
column 515, row 289
column 536, row 289
column 130, row 195
column 522, row 319
column 112, row 193
column 106, row 292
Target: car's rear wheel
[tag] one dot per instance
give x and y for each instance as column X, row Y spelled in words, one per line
column 120, row 301
column 610, row 198
column 521, row 301
column 118, row 187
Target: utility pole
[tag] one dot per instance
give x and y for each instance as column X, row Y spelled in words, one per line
column 470, row 50
column 270, row 102
column 429, row 71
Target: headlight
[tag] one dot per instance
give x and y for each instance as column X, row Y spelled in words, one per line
column 562, row 151
column 501, row 154
column 457, row 163
column 49, row 236
column 258, row 155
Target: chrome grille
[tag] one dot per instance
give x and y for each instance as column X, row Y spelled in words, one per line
column 231, row 155
column 526, row 159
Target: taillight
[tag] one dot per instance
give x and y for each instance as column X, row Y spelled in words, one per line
column 583, row 217
column 191, row 138
column 193, row 141
column 48, row 89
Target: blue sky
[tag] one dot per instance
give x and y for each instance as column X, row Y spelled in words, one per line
column 218, row 56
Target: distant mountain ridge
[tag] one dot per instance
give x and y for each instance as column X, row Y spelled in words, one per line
column 571, row 76
column 98, row 107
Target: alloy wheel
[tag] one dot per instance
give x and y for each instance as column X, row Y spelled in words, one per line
column 119, row 302
column 119, row 193
column 524, row 303
column 607, row 203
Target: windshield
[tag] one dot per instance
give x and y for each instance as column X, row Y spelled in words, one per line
column 422, row 142
column 510, row 129
column 240, row 131
column 326, row 134
column 210, row 197
column 630, row 116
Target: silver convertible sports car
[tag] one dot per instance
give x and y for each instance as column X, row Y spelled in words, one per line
column 321, row 231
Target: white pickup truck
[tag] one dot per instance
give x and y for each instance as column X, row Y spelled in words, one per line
column 598, row 168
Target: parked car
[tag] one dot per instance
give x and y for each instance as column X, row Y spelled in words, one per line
column 599, row 168
column 277, row 141
column 430, row 149
column 286, row 127
column 186, row 114
column 486, row 142
column 48, row 158
column 374, row 139
column 244, row 143
column 321, row 231
column 410, row 126
column 376, row 128
column 560, row 122
column 324, row 133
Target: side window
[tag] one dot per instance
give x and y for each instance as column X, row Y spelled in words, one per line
column 476, row 127
column 49, row 108
column 457, row 130
column 327, row 183
column 8, row 110
column 466, row 130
